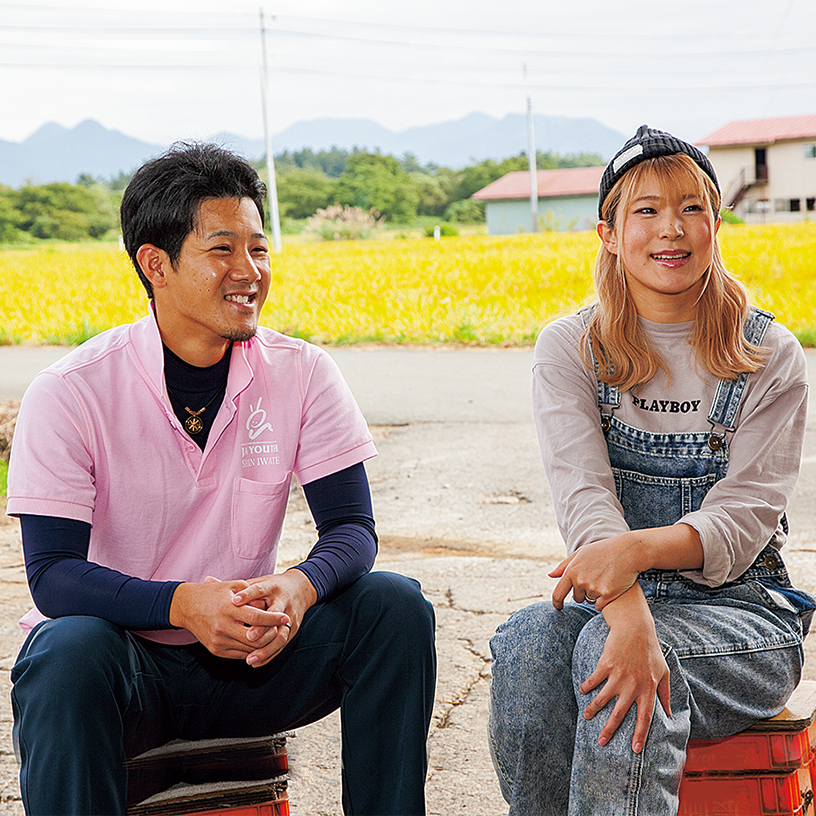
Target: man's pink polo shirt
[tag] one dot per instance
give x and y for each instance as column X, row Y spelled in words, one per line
column 97, row 441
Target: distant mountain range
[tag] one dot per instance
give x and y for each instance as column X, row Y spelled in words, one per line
column 56, row 153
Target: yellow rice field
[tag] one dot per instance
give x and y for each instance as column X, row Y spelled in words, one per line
column 484, row 290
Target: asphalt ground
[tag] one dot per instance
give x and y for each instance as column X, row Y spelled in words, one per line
column 462, row 505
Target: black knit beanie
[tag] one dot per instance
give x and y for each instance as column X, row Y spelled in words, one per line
column 646, row 144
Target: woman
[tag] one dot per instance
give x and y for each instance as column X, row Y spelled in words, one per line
column 671, row 417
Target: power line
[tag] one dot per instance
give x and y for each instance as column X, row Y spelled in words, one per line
column 189, row 32
column 200, row 42
column 127, row 29
column 554, row 35
column 588, row 52
column 250, row 27
column 96, row 11
column 440, row 80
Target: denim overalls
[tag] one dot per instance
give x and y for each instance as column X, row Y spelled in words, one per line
column 734, row 652
column 660, row 477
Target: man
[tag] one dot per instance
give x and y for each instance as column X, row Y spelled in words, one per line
column 150, row 471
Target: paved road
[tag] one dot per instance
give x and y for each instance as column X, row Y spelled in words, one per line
column 462, row 505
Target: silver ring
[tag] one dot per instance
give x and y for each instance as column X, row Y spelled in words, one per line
column 590, row 600
column 287, row 625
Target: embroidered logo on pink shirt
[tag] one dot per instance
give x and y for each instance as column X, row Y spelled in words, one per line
column 258, row 453
column 256, row 423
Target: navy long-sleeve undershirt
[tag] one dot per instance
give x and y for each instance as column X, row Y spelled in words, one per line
column 63, row 581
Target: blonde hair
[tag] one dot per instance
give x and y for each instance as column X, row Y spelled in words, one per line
column 614, row 335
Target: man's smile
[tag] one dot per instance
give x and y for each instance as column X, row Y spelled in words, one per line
column 236, row 298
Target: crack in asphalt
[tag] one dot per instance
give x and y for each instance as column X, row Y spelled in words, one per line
column 482, row 672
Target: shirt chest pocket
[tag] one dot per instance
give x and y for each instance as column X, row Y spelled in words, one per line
column 258, row 510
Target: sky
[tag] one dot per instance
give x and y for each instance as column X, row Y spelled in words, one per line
column 162, row 70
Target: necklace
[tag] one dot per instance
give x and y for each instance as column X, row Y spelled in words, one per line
column 193, row 423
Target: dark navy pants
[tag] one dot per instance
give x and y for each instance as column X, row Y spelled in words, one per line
column 87, row 694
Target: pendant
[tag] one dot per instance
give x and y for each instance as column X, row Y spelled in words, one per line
column 193, row 425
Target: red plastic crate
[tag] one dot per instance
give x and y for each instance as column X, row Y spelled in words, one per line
column 789, row 794
column 783, row 743
column 280, row 807
column 768, row 770
column 750, row 752
column 813, row 774
column 239, row 777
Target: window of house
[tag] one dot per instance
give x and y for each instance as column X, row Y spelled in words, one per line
column 795, row 205
column 810, row 151
column 781, row 204
column 757, row 205
column 760, row 164
column 810, row 203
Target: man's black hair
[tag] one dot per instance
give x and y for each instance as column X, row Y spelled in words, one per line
column 160, row 206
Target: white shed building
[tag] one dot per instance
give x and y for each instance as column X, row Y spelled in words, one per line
column 567, row 200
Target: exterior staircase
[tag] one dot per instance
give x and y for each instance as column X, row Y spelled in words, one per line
column 742, row 182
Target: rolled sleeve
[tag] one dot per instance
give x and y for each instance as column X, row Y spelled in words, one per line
column 741, row 513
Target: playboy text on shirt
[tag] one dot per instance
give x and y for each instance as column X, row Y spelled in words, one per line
column 667, row 406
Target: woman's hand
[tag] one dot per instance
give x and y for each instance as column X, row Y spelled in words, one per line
column 632, row 668
column 603, row 570
column 599, row 572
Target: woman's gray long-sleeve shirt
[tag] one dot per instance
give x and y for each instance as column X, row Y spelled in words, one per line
column 741, row 513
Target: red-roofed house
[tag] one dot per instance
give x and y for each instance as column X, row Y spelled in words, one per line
column 766, row 167
column 567, row 200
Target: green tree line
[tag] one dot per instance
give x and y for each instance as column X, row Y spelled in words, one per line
column 398, row 188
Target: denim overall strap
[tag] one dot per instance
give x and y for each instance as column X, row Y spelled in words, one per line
column 607, row 394
column 729, row 392
column 727, row 400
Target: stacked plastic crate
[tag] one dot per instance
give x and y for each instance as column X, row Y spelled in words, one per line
column 223, row 777
column 768, row 770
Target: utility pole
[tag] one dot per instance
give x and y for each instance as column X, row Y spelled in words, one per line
column 272, row 187
column 531, row 161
